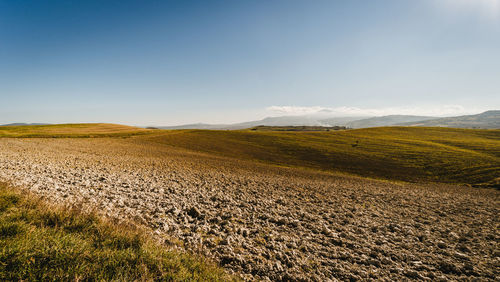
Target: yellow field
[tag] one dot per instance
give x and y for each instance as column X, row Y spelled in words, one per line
column 249, row 199
column 415, row 154
column 71, row 130
column 463, row 156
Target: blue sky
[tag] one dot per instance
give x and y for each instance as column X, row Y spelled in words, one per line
column 174, row 62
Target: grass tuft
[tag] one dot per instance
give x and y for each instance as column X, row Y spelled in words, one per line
column 43, row 242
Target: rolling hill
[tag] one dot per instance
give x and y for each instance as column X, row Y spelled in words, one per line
column 239, row 195
column 24, row 124
column 194, row 126
column 486, row 120
column 271, row 121
column 415, row 154
column 385, row 121
column 71, row 130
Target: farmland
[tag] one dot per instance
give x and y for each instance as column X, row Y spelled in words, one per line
column 282, row 205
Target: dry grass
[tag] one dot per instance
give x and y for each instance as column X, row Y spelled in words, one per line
column 462, row 156
column 41, row 242
column 415, row 154
column 268, row 221
column 72, row 130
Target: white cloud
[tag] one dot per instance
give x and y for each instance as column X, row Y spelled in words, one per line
column 294, row 110
column 444, row 110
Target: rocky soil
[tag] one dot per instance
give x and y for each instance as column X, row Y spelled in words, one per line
column 264, row 222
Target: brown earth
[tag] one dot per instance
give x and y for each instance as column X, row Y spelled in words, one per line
column 267, row 222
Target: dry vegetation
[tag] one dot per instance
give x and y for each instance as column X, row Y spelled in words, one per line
column 45, row 242
column 72, row 130
column 460, row 156
column 265, row 221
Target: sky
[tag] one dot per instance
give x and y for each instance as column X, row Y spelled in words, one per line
column 176, row 62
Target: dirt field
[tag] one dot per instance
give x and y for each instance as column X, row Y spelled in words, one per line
column 263, row 221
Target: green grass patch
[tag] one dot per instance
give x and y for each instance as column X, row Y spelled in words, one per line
column 42, row 242
column 417, row 154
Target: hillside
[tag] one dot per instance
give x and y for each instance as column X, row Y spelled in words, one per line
column 414, row 154
column 71, row 130
column 260, row 219
column 402, row 153
column 486, row 120
column 24, row 124
column 194, row 126
column 280, row 121
column 271, row 121
column 296, row 128
column 385, row 121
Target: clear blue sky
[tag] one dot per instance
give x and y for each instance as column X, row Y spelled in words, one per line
column 173, row 62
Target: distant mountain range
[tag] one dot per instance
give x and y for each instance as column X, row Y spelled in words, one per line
column 386, row 121
column 486, row 120
column 270, row 121
column 23, row 124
